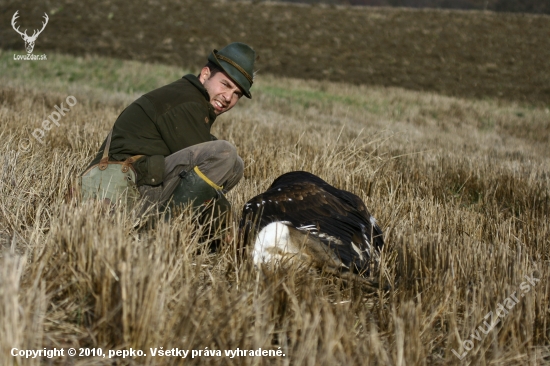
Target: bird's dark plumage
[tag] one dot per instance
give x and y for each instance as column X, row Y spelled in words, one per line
column 337, row 220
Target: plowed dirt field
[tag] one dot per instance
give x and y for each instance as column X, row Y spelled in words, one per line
column 463, row 53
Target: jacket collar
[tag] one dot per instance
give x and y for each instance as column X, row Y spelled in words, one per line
column 197, row 83
column 193, row 79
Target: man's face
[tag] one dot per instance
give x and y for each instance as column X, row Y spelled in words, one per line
column 223, row 92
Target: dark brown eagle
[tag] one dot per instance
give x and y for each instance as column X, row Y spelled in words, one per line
column 302, row 216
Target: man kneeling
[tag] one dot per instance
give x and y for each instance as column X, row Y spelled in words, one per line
column 165, row 136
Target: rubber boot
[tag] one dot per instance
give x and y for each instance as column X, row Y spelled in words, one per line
column 206, row 199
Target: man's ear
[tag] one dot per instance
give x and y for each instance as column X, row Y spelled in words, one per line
column 204, row 75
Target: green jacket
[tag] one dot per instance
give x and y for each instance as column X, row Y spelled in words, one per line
column 160, row 123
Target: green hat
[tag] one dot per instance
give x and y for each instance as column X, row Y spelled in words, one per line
column 237, row 61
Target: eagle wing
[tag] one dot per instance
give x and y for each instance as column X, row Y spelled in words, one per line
column 338, row 218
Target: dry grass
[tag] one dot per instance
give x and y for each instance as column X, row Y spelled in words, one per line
column 460, row 188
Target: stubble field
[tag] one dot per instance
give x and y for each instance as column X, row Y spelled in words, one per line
column 460, row 188
column 458, row 180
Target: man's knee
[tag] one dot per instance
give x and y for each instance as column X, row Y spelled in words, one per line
column 236, row 174
column 239, row 166
column 218, row 160
column 226, row 150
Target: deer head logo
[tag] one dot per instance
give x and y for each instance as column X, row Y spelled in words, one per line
column 29, row 40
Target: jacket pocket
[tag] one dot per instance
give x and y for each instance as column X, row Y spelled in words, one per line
column 150, row 170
